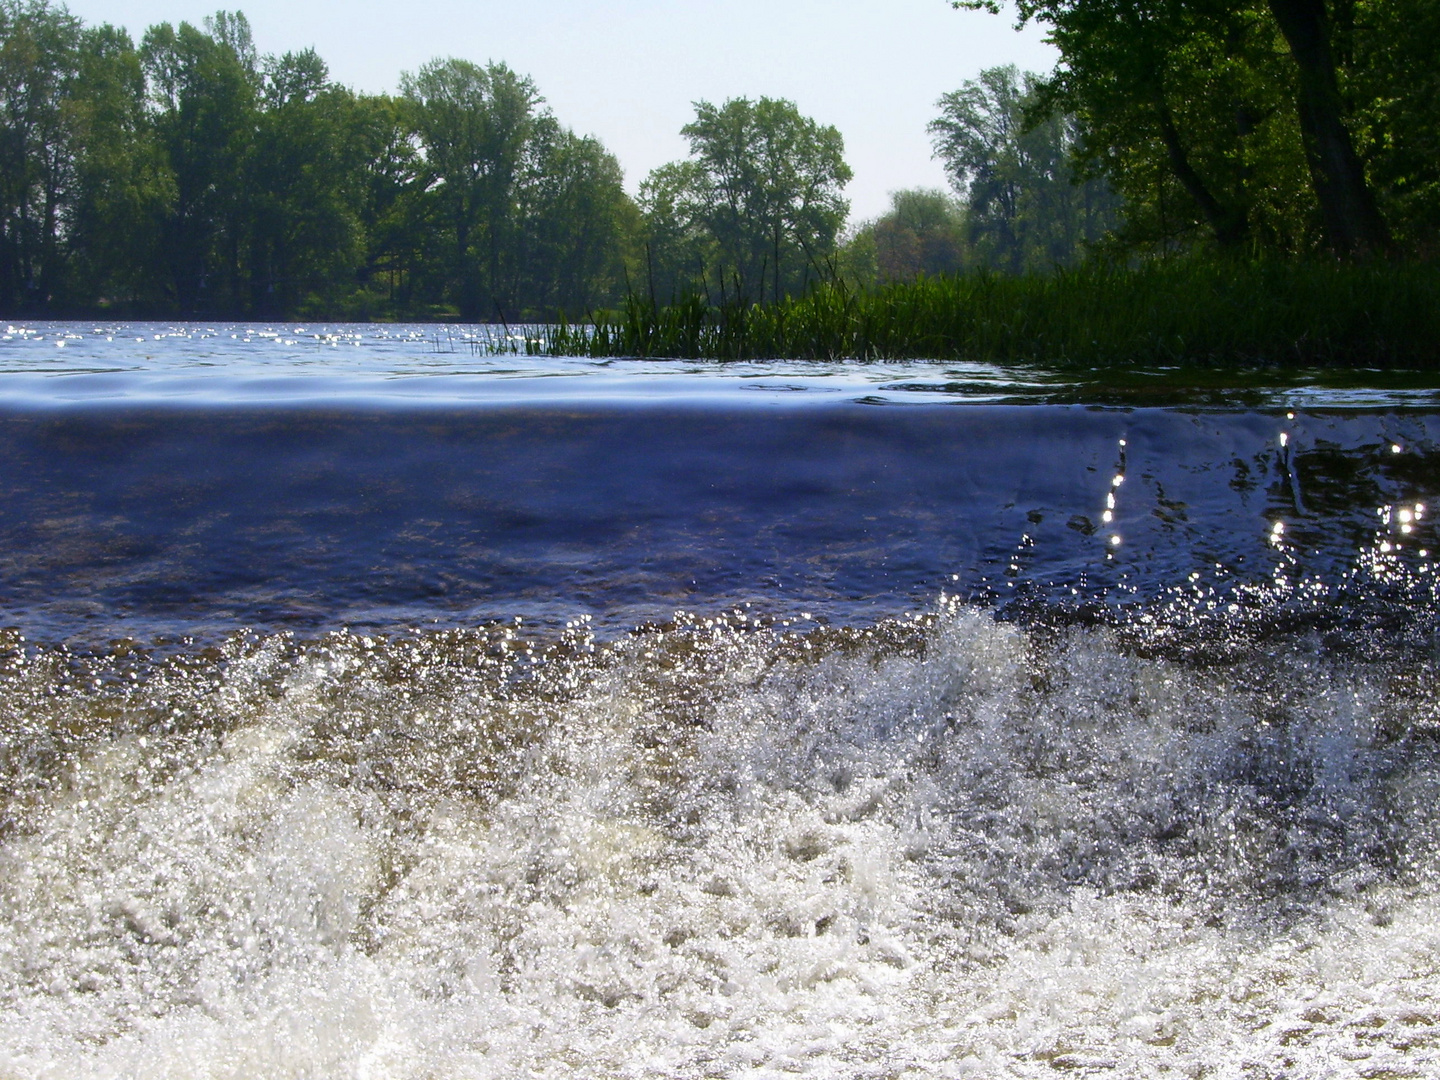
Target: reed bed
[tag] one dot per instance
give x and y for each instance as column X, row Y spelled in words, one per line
column 1306, row 314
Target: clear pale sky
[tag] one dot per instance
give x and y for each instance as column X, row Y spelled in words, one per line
column 627, row 70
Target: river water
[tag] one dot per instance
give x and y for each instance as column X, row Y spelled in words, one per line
column 373, row 706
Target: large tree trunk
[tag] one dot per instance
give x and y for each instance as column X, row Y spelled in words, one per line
column 1353, row 223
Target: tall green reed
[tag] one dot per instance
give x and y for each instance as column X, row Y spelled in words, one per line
column 1191, row 311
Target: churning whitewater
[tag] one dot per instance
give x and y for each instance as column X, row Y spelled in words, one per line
column 938, row 846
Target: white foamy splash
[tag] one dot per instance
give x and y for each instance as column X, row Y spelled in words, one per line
column 947, row 847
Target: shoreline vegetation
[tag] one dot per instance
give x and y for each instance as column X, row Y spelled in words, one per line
column 1247, row 182
column 1375, row 315
column 1207, row 313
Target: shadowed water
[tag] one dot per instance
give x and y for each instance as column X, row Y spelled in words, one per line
column 331, row 742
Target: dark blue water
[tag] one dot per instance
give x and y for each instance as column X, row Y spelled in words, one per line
column 191, row 482
column 210, row 515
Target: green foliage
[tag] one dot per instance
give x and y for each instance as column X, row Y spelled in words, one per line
column 1186, row 109
column 527, row 214
column 1392, row 74
column 576, row 218
column 390, row 219
column 305, row 189
column 1160, row 313
column 924, row 232
column 204, row 88
column 679, row 252
column 194, row 177
column 39, row 67
column 755, row 211
column 1009, row 154
column 474, row 124
column 121, row 183
column 190, row 176
column 1278, row 126
column 1023, row 208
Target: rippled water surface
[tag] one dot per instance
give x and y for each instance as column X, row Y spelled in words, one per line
column 69, row 364
column 372, row 706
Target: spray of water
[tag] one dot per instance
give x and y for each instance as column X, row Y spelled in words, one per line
column 940, row 846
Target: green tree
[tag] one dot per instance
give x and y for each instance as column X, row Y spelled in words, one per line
column 678, row 251
column 391, row 206
column 760, row 195
column 1186, row 110
column 193, row 176
column 1392, row 73
column 576, row 218
column 1011, row 160
column 39, row 64
column 922, row 233
column 307, row 190
column 1352, row 217
column 473, row 123
column 1238, row 114
column 122, row 183
column 204, row 88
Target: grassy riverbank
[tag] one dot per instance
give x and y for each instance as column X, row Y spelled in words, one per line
column 1308, row 314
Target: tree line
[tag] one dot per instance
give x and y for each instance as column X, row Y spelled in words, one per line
column 187, row 175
